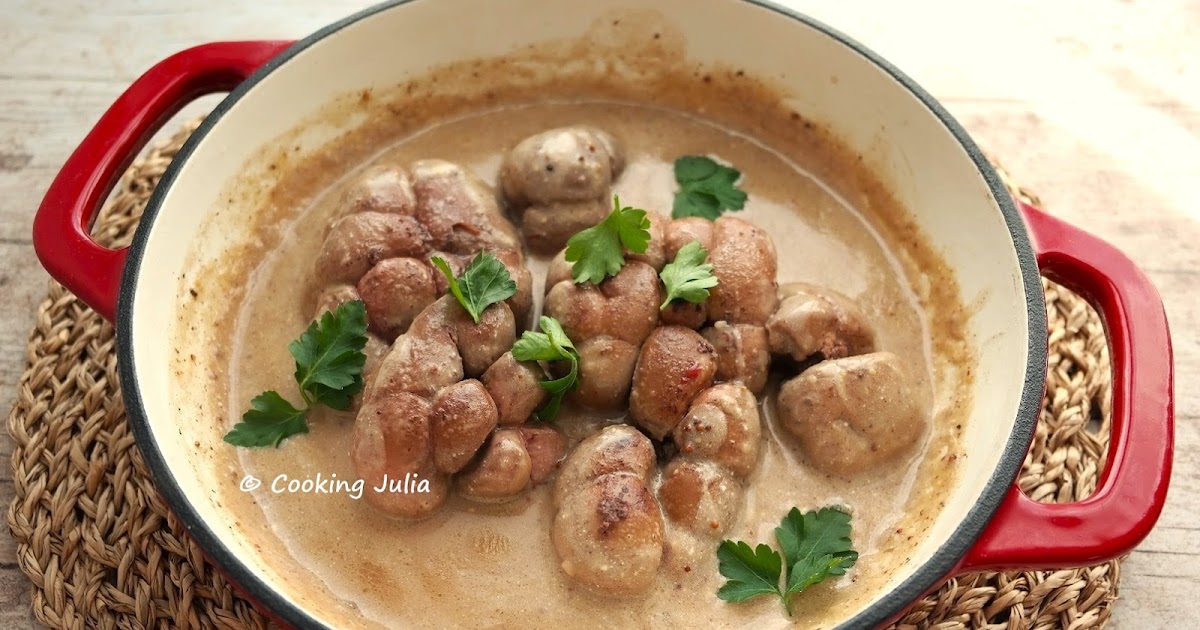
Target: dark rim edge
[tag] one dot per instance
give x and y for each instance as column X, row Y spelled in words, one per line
column 943, row 561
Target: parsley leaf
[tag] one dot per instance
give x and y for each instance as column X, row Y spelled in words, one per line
column 329, row 360
column 558, row 388
column 269, row 421
column 551, row 344
column 825, row 532
column 329, row 357
column 806, row 572
column 749, row 572
column 688, row 277
column 706, row 188
column 815, row 545
column 598, row 252
column 483, row 283
column 535, row 346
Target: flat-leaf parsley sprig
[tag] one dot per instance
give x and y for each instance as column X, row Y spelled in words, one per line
column 329, row 360
column 815, row 546
column 706, row 188
column 599, row 251
column 549, row 345
column 688, row 277
column 483, row 283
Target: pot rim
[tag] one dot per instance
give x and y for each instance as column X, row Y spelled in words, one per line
column 943, row 561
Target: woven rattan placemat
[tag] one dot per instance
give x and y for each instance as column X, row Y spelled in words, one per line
column 103, row 551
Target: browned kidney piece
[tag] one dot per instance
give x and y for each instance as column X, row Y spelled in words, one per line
column 608, row 529
column 624, row 306
column 357, row 241
column 459, row 210
column 381, row 188
column 455, row 419
column 609, row 535
column 701, row 496
column 334, row 296
column 815, row 321
column 477, row 345
column 674, row 365
column 482, row 344
column 419, row 365
column 418, row 394
column 655, row 254
column 744, row 262
column 515, row 386
column 559, row 270
column 719, row 442
column 520, row 302
column 818, row 321
column 723, row 425
column 457, row 264
column 548, row 227
column 501, row 470
column 853, row 414
column 392, row 443
column 375, row 349
column 680, row 232
column 546, row 447
column 605, row 373
column 743, row 354
column 683, row 313
column 617, row 448
column 395, row 291
column 426, row 358
column 462, row 417
column 560, row 165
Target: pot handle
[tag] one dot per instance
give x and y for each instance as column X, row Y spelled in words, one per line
column 1029, row 535
column 61, row 228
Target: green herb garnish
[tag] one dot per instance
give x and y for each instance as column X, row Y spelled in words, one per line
column 329, row 361
column 483, row 283
column 815, row 546
column 706, row 188
column 598, row 252
column 748, row 572
column 688, row 277
column 551, row 344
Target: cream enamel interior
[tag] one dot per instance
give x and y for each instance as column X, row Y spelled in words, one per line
column 898, row 136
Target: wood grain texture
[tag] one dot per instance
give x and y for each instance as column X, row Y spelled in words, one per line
column 1094, row 104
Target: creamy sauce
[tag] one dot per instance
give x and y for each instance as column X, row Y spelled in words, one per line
column 494, row 566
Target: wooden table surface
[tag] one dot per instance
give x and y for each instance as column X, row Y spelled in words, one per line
column 1094, row 104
